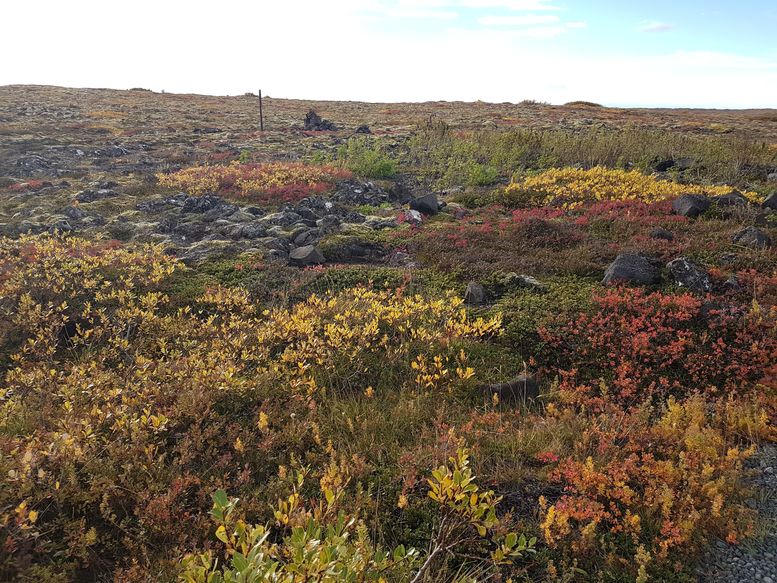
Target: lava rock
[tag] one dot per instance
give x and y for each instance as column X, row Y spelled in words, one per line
column 252, row 231
column 202, row 204
column 752, row 237
column 74, row 213
column 357, row 193
column 632, row 268
column 733, row 198
column 427, row 204
column 412, row 217
column 521, row 389
column 306, row 237
column 379, row 223
column 354, row 218
column 93, row 195
column 770, row 202
column 255, row 211
column 328, row 224
column 475, row 294
column 281, row 219
column 363, row 129
column 660, row 233
column 314, row 123
column 691, row 205
column 61, row 226
column 731, row 285
column 515, row 281
column 356, row 251
column 306, row 255
column 688, row 274
column 276, row 256
column 663, row 165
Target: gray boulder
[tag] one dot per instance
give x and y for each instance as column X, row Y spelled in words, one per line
column 687, row 274
column 283, row 218
column 74, row 213
column 355, row 250
column 93, row 195
column 201, row 204
column 276, row 256
column 519, row 390
column 475, row 294
column 328, row 224
column 315, row 123
column 251, row 231
column 733, row 198
column 752, row 237
column 306, row 255
column 691, row 205
column 427, row 204
column 770, row 202
column 306, row 237
column 660, row 233
column 632, row 268
column 380, row 223
column 771, row 177
column 514, row 281
column 60, row 226
column 413, row 217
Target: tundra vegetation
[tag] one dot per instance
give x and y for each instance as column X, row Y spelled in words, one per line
column 240, row 356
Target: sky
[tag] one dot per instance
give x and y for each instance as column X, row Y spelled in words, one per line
column 680, row 53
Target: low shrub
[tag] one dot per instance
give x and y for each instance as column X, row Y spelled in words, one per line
column 640, row 494
column 113, row 434
column 573, row 186
column 271, row 183
column 636, row 346
column 366, row 158
column 323, row 541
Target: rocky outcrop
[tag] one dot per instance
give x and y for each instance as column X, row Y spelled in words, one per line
column 315, row 123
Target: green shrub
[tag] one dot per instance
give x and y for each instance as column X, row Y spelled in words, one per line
column 366, row 158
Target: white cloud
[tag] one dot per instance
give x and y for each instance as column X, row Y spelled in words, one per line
column 537, row 26
column 515, row 5
column 522, row 20
column 329, row 50
column 655, row 26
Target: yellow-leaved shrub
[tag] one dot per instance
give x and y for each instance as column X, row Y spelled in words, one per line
column 573, row 186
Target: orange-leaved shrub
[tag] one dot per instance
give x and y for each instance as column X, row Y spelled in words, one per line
column 274, row 182
column 634, row 345
column 640, row 492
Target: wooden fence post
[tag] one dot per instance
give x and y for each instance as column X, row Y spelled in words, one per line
column 261, row 114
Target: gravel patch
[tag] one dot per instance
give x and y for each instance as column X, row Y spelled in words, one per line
column 755, row 560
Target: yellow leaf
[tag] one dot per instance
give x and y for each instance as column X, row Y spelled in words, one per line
column 221, row 534
column 263, row 423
